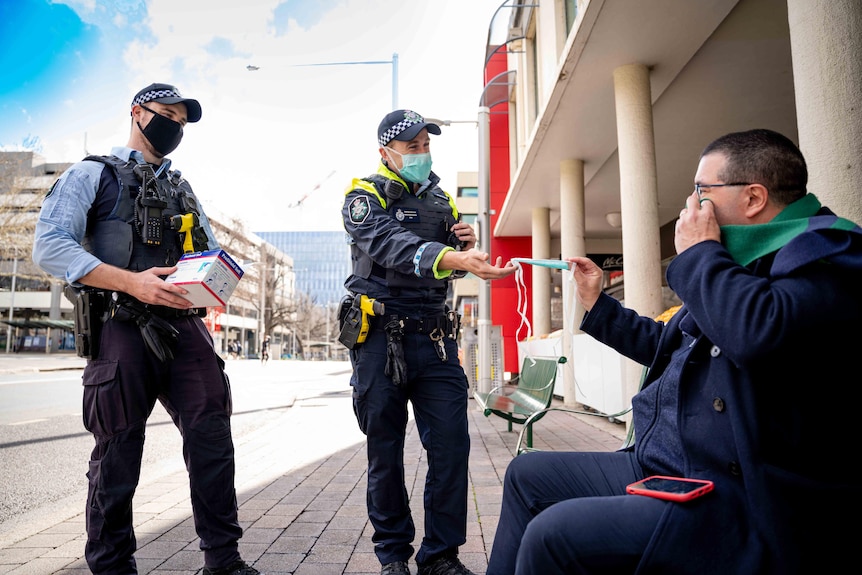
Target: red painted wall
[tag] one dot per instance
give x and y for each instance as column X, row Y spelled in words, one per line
column 504, row 295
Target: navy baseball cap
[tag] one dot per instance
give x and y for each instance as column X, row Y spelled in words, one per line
column 167, row 94
column 403, row 125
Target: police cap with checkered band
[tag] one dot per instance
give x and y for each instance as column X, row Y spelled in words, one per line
column 403, row 125
column 167, row 94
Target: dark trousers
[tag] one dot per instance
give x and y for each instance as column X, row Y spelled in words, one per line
column 437, row 391
column 121, row 387
column 568, row 513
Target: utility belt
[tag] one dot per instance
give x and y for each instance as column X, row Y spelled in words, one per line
column 359, row 314
column 438, row 328
column 116, row 299
column 95, row 306
column 446, row 324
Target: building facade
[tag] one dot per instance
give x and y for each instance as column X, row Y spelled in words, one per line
column 598, row 111
column 321, row 261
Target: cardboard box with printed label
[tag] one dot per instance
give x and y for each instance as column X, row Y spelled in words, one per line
column 210, row 277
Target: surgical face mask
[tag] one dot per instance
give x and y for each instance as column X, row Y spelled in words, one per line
column 414, row 167
column 162, row 132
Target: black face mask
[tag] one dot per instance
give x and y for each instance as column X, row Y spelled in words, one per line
column 163, row 133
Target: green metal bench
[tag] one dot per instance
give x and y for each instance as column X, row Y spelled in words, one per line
column 627, row 442
column 630, row 434
column 532, row 395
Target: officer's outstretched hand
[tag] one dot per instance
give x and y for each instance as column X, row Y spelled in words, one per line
column 476, row 262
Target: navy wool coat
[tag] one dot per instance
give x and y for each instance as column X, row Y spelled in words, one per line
column 768, row 404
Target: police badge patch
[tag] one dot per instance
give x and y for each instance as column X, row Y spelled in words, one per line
column 359, row 209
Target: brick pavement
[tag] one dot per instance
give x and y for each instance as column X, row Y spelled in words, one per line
column 302, row 503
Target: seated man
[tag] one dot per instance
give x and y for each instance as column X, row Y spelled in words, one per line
column 770, row 282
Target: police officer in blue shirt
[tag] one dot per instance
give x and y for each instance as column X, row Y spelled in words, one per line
column 407, row 243
column 107, row 228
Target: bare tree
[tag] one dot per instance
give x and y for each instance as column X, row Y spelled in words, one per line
column 24, row 181
column 312, row 321
column 284, row 307
column 233, row 238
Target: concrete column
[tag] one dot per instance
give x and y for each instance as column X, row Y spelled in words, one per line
column 825, row 44
column 54, row 313
column 638, row 201
column 541, row 321
column 56, row 296
column 572, row 224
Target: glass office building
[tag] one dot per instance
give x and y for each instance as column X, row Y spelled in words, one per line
column 321, row 261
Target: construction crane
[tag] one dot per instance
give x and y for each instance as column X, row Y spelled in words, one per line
column 314, row 189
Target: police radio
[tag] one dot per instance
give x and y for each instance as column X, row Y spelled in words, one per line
column 151, row 220
column 150, row 206
column 393, row 189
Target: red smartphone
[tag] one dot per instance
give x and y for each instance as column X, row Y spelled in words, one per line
column 678, row 489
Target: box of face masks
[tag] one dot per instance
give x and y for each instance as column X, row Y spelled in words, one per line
column 210, row 277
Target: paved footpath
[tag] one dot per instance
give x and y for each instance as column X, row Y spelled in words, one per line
column 300, row 485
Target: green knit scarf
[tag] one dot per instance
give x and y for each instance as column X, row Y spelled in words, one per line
column 746, row 243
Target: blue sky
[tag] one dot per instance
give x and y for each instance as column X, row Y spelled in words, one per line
column 45, row 46
column 269, row 137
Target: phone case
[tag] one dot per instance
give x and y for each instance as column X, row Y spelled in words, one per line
column 679, row 489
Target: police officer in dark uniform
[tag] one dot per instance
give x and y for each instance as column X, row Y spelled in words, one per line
column 407, row 243
column 114, row 227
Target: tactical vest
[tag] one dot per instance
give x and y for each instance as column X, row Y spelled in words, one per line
column 137, row 236
column 430, row 218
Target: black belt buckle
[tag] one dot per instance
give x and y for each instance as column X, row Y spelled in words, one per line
column 454, row 324
column 166, row 312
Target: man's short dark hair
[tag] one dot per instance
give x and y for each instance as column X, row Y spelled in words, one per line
column 763, row 157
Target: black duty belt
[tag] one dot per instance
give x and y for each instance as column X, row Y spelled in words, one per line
column 161, row 311
column 438, row 328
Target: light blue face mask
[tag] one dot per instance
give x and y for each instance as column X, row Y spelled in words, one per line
column 415, row 167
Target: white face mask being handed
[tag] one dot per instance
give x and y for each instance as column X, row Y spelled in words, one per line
column 414, row 167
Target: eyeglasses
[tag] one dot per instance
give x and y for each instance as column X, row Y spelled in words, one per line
column 698, row 188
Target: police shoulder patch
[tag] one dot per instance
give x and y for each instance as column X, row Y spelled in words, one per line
column 51, row 189
column 359, row 209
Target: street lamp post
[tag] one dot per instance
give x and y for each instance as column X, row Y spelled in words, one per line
column 393, row 62
column 495, row 92
column 328, row 331
column 484, row 219
column 262, row 290
column 483, row 222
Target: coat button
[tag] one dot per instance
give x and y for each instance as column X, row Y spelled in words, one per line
column 715, row 351
column 718, row 404
column 733, row 467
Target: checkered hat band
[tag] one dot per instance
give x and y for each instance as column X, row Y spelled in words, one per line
column 389, row 134
column 155, row 95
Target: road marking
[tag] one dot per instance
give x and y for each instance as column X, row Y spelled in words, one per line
column 28, row 421
column 41, row 380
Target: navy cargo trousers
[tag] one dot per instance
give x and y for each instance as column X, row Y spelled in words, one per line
column 121, row 387
column 437, row 391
